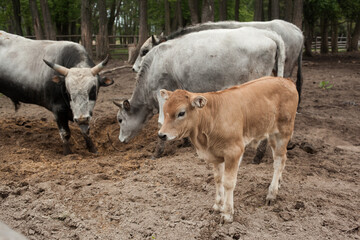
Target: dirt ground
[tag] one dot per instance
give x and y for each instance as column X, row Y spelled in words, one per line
column 122, row 193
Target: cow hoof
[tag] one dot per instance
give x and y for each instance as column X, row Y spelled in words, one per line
column 226, row 218
column 93, row 150
column 67, row 152
column 270, row 201
column 256, row 160
column 217, row 208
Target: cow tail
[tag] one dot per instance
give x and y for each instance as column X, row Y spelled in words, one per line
column 280, row 53
column 299, row 80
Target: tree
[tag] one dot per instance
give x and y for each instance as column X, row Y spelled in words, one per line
column 236, row 13
column 17, row 17
column 36, row 20
column 207, row 13
column 193, row 6
column 143, row 31
column 48, row 26
column 274, row 9
column 167, row 17
column 298, row 13
column 86, row 33
column 102, row 39
column 324, row 24
column 258, row 11
column 222, row 10
column 288, row 10
column 350, row 9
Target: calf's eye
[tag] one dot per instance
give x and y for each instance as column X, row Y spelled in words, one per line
column 181, row 114
column 120, row 120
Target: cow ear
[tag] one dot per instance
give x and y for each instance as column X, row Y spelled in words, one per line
column 165, row 94
column 126, row 105
column 153, row 40
column 58, row 79
column 105, row 81
column 199, row 102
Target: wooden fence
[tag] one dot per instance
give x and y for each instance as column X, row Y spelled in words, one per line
column 118, row 44
column 341, row 43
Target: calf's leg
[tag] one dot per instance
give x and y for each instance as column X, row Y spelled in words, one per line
column 219, row 184
column 230, row 175
column 278, row 145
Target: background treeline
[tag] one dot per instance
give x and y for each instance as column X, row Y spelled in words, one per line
column 89, row 21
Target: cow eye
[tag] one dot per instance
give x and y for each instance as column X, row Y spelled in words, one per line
column 145, row 52
column 92, row 94
column 120, row 120
column 181, row 114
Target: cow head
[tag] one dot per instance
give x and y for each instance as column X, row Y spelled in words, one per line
column 180, row 113
column 145, row 48
column 82, row 86
column 131, row 119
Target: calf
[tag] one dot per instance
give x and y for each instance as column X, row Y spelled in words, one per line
column 221, row 124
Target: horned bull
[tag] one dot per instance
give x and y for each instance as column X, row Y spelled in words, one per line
column 68, row 88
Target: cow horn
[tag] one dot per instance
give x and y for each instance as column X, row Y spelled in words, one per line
column 60, row 69
column 95, row 70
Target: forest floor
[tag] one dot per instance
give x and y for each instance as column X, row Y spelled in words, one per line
column 122, row 193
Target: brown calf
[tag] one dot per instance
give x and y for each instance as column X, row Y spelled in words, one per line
column 221, row 124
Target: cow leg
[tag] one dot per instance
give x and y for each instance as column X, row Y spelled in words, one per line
column 260, row 152
column 230, row 175
column 219, row 184
column 64, row 130
column 278, row 146
column 85, row 131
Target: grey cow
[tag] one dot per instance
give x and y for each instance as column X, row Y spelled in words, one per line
column 291, row 35
column 199, row 62
column 68, row 86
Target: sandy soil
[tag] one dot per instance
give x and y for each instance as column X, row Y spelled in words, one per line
column 121, row 193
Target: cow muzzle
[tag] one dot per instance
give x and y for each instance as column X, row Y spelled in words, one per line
column 162, row 136
column 82, row 120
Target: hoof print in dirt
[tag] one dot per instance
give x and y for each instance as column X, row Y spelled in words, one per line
column 307, row 147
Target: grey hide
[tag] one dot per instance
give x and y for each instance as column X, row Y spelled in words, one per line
column 199, row 62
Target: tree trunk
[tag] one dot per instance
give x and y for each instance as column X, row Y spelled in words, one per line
column 298, row 13
column 348, row 35
column 179, row 14
column 167, row 17
column 207, row 13
column 86, row 33
column 237, row 6
column 334, row 36
column 308, row 38
column 288, row 10
column 274, row 9
column 143, row 31
column 36, row 19
column 324, row 23
column 258, row 13
column 222, row 10
column 102, row 39
column 17, row 16
column 48, row 25
column 355, row 36
column 193, row 5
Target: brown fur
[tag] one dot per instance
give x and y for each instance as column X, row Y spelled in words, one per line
column 220, row 125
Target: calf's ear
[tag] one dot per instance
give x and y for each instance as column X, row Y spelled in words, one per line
column 199, row 102
column 165, row 94
column 105, row 81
